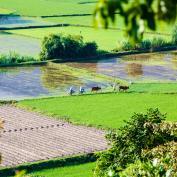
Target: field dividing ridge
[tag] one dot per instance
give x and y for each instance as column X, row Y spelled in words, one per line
column 29, row 137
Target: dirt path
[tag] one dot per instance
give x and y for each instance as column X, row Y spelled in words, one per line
column 29, row 137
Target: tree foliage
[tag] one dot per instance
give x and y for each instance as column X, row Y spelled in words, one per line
column 137, row 14
column 128, row 144
column 64, row 47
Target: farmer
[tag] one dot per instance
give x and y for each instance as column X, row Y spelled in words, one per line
column 81, row 90
column 71, row 91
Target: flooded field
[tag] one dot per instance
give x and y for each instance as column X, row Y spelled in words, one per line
column 19, row 44
column 18, row 21
column 25, row 82
column 56, row 79
column 138, row 68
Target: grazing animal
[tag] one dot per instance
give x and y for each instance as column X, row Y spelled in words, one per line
column 95, row 89
column 123, row 88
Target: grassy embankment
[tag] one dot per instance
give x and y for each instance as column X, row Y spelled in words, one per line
column 83, row 170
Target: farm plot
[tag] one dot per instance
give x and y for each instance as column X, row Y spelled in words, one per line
column 29, row 137
column 19, row 44
column 106, row 39
column 49, row 8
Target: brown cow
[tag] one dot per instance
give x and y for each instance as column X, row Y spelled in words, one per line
column 123, row 88
column 95, row 89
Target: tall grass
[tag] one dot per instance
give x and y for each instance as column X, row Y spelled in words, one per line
column 155, row 43
column 14, row 58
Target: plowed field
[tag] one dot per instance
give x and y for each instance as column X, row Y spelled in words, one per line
column 29, row 137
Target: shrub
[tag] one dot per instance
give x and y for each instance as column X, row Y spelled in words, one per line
column 72, row 46
column 89, row 49
column 174, row 35
column 160, row 161
column 62, row 47
column 52, row 47
column 14, row 58
column 143, row 131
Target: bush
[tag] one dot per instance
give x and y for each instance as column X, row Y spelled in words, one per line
column 62, row 47
column 160, row 161
column 52, row 47
column 89, row 49
column 14, row 58
column 72, row 46
column 143, row 131
column 174, row 35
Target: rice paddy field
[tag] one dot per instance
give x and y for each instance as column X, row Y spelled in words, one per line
column 90, row 109
column 69, row 12
column 151, row 78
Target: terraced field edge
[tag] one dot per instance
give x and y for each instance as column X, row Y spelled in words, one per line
column 47, row 164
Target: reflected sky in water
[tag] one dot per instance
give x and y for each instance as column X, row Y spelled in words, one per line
column 143, row 67
column 24, row 82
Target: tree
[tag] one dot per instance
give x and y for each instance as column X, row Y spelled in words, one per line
column 137, row 14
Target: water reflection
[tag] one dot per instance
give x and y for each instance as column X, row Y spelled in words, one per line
column 142, row 67
column 53, row 79
column 134, row 70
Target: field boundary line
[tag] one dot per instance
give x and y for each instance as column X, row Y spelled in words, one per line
column 52, row 163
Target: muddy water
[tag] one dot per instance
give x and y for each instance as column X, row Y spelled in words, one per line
column 143, row 67
column 24, row 82
column 27, row 82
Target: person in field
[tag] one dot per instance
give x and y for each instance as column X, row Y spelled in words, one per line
column 71, row 91
column 81, row 90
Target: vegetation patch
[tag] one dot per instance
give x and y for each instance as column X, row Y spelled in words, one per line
column 14, row 58
column 64, row 47
column 85, row 170
column 145, row 146
column 68, row 162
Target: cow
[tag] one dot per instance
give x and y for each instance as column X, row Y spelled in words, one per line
column 123, row 88
column 95, row 89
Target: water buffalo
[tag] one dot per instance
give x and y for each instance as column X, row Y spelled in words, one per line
column 95, row 89
column 123, row 88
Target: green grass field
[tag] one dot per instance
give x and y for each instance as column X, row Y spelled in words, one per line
column 106, row 39
column 83, row 170
column 49, row 8
column 154, row 87
column 105, row 110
